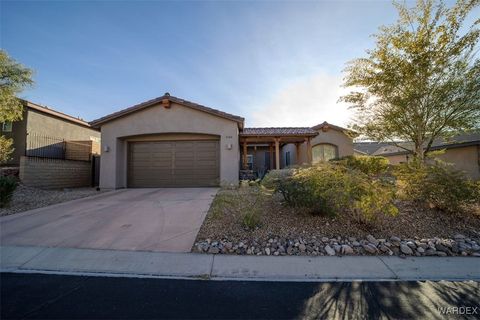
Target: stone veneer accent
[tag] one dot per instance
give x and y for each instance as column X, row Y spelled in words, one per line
column 55, row 173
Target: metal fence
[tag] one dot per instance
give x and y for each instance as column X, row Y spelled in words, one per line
column 44, row 146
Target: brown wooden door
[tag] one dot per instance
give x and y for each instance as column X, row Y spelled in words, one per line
column 156, row 164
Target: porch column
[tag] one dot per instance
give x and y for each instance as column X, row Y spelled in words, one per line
column 244, row 156
column 271, row 156
column 309, row 151
column 277, row 153
column 297, row 152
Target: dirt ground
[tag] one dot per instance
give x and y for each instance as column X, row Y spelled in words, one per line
column 27, row 198
column 224, row 220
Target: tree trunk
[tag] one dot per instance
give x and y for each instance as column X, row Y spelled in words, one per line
column 419, row 153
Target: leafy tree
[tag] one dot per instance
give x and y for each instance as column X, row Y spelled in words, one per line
column 14, row 77
column 422, row 79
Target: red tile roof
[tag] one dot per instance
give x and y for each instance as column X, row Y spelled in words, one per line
column 279, row 131
column 327, row 125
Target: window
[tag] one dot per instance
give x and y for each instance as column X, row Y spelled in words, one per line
column 250, row 161
column 7, row 126
column 324, row 152
column 287, row 159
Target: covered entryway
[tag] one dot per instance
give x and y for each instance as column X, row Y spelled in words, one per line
column 271, row 141
column 155, row 164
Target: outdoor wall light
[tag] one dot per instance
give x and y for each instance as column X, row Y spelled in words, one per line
column 106, row 149
column 229, row 146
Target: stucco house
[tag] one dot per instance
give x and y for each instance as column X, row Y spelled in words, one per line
column 48, row 133
column 168, row 141
column 462, row 151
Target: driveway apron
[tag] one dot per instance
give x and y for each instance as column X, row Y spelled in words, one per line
column 162, row 220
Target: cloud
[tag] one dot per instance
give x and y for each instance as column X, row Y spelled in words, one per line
column 305, row 102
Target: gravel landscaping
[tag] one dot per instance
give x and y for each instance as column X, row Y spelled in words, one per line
column 283, row 230
column 27, row 198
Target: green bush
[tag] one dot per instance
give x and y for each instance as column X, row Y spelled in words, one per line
column 437, row 185
column 280, row 181
column 7, row 187
column 245, row 203
column 370, row 165
column 332, row 188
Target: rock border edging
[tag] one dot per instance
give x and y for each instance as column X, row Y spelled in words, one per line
column 324, row 246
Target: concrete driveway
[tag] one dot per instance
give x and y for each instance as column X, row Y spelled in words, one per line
column 130, row 219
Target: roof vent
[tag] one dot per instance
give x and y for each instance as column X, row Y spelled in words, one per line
column 166, row 103
column 167, row 94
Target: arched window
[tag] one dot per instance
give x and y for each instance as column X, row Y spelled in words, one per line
column 324, row 152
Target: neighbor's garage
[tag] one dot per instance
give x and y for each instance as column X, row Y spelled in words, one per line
column 153, row 164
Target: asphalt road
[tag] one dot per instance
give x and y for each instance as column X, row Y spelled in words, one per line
column 83, row 297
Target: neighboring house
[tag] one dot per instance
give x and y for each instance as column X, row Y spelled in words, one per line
column 169, row 141
column 44, row 132
column 367, row 147
column 463, row 151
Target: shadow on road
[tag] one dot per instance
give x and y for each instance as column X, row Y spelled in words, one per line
column 391, row 300
column 41, row 296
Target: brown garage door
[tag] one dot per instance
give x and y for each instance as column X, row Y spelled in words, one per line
column 156, row 164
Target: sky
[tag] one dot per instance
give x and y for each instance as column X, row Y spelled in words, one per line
column 275, row 63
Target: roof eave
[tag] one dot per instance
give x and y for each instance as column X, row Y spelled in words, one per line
column 446, row 146
column 138, row 107
column 55, row 113
column 332, row 126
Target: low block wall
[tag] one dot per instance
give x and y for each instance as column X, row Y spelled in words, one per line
column 55, row 173
column 9, row 171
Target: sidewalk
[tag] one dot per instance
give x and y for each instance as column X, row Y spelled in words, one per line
column 231, row 267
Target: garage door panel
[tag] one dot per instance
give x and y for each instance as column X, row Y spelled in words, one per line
column 206, row 148
column 208, row 163
column 158, row 173
column 173, row 163
column 181, row 164
column 184, row 154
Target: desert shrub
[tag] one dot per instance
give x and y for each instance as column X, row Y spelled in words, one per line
column 280, row 181
column 370, row 165
column 6, row 148
column 330, row 188
column 436, row 184
column 245, row 203
column 7, row 187
column 251, row 219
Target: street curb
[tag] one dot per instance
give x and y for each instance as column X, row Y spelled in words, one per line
column 201, row 278
column 194, row 266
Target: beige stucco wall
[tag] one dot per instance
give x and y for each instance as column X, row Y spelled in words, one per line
column 160, row 120
column 397, row 159
column 48, row 125
column 332, row 136
column 464, row 159
column 293, row 154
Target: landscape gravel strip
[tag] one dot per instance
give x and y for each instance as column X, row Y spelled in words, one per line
column 28, row 198
column 415, row 231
